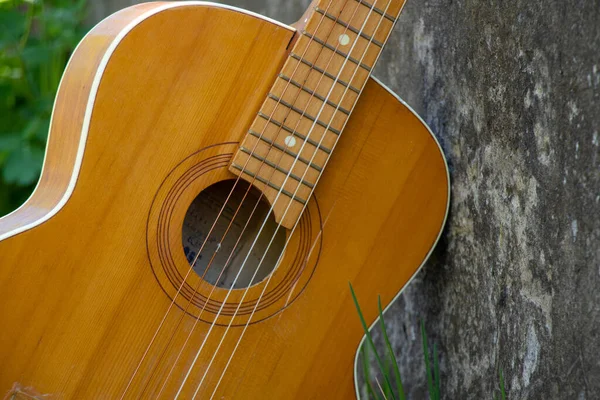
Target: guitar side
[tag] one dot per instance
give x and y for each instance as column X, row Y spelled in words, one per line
column 80, row 299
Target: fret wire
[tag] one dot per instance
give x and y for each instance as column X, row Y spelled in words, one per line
column 262, row 259
column 292, row 131
column 303, row 114
column 309, row 117
column 288, row 207
column 277, row 167
column 337, row 51
column 336, row 79
column 289, row 130
column 282, row 126
column 284, row 150
column 350, row 28
column 273, row 143
column 291, row 153
column 269, row 183
column 394, row 20
column 323, row 72
column 314, row 93
column 376, row 10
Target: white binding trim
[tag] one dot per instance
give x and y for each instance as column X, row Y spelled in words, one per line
column 92, row 98
column 88, row 113
column 356, row 388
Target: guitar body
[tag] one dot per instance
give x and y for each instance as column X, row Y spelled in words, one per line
column 149, row 113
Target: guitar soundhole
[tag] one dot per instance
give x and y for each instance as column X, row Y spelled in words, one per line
column 231, row 258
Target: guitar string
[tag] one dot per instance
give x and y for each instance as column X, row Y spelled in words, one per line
column 283, row 250
column 293, row 288
column 206, row 302
column 277, row 263
column 290, row 294
column 291, row 291
column 295, row 225
column 197, row 286
column 287, row 209
column 155, row 335
column 214, row 224
column 280, row 313
column 272, row 172
column 215, row 253
column 218, row 278
column 360, row 152
column 305, row 263
column 249, row 321
column 242, row 200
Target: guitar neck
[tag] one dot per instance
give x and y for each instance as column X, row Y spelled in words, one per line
column 295, row 132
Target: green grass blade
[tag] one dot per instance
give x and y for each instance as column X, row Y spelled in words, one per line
column 369, row 337
column 390, row 351
column 502, row 391
column 367, row 373
column 430, row 387
column 388, row 367
column 389, row 391
column 382, row 390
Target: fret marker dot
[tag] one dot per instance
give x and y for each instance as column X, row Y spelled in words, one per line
column 290, row 141
column 344, row 39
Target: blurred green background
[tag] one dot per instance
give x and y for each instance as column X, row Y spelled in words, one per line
column 36, row 40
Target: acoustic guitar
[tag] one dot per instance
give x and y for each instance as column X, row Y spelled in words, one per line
column 213, row 182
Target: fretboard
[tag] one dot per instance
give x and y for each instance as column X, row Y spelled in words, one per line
column 295, row 132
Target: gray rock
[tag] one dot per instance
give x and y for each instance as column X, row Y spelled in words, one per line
column 512, row 91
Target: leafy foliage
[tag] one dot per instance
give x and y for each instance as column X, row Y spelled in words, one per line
column 502, row 395
column 385, row 390
column 36, row 39
column 433, row 377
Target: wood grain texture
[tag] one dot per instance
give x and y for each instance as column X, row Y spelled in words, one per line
column 67, row 120
column 300, row 121
column 80, row 299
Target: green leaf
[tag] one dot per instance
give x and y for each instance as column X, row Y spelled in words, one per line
column 36, row 128
column 60, row 23
column 502, row 391
column 10, row 142
column 23, row 166
column 10, row 73
column 36, row 39
column 370, row 338
column 41, row 133
column 12, row 25
column 367, row 374
column 36, row 55
column 390, row 351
